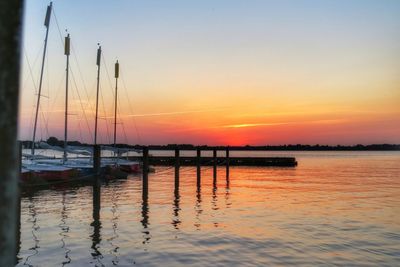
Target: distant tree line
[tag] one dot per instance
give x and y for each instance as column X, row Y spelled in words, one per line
column 53, row 141
column 298, row 147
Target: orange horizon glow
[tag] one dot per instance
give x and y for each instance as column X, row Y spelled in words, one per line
column 260, row 74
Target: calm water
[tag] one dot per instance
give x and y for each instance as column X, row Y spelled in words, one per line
column 335, row 208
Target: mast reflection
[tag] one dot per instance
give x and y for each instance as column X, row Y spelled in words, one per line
column 198, row 208
column 64, row 230
column 215, row 202
column 35, row 228
column 114, row 221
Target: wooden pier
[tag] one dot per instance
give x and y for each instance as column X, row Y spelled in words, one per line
column 210, row 161
column 215, row 160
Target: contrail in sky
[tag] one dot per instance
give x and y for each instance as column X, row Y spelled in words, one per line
column 175, row 112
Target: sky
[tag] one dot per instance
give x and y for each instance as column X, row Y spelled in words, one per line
column 225, row 72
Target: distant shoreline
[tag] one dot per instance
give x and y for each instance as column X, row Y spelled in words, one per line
column 373, row 147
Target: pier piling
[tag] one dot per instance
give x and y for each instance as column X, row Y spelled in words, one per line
column 177, row 166
column 214, row 166
column 96, row 160
column 227, row 164
column 198, row 163
column 145, row 180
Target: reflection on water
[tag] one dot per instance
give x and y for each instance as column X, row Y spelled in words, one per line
column 333, row 209
column 34, row 229
column 176, row 221
column 145, row 217
column 96, row 224
column 198, row 209
column 64, row 230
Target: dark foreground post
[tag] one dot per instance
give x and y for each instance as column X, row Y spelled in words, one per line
column 214, row 166
column 96, row 160
column 18, row 229
column 10, row 39
column 198, row 162
column 177, row 166
column 227, row 164
column 145, row 180
column 20, row 156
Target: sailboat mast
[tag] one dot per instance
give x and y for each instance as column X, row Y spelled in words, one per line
column 116, row 101
column 66, row 52
column 97, row 94
column 47, row 24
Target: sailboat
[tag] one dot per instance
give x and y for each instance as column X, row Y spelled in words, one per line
column 34, row 168
column 123, row 164
column 82, row 166
column 39, row 166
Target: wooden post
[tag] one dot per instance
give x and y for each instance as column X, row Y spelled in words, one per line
column 177, row 166
column 10, row 44
column 96, row 160
column 198, row 167
column 145, row 180
column 215, row 166
column 227, row 164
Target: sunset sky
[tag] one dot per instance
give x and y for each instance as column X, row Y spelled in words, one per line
column 222, row 72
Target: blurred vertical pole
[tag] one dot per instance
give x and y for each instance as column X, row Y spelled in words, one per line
column 18, row 228
column 10, row 43
column 198, row 167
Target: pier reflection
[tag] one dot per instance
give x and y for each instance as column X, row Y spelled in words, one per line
column 198, row 208
column 175, row 220
column 214, row 202
column 96, row 224
column 145, row 217
column 228, row 202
